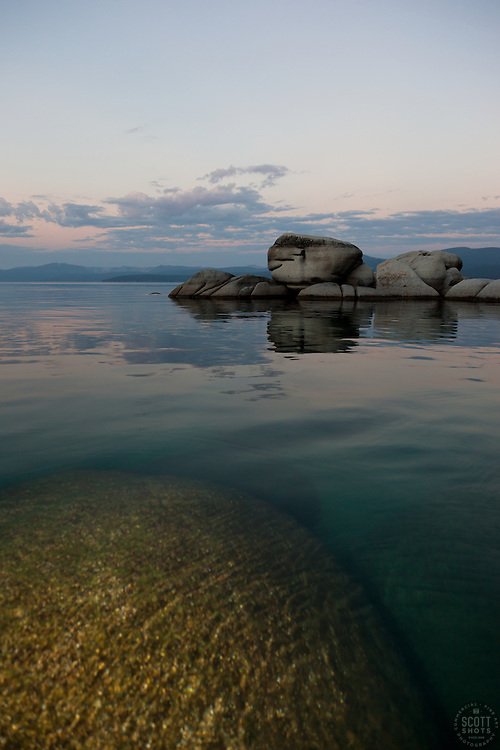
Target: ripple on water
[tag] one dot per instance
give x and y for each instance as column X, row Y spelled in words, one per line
column 139, row 612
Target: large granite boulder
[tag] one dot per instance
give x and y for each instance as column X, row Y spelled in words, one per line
column 433, row 267
column 467, row 289
column 250, row 286
column 145, row 612
column 419, row 274
column 326, row 290
column 491, row 292
column 206, row 280
column 397, row 279
column 210, row 282
column 362, row 275
column 299, row 260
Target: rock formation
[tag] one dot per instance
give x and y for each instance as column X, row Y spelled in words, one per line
column 484, row 290
column 309, row 267
column 419, row 274
column 142, row 612
column 211, row 282
column 299, row 260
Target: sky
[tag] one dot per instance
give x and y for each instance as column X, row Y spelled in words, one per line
column 172, row 131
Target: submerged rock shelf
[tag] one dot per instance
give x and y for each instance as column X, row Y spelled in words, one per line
column 140, row 612
column 322, row 267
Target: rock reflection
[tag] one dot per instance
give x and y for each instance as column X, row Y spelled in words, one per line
column 138, row 330
column 424, row 321
column 217, row 309
column 316, row 327
column 469, row 311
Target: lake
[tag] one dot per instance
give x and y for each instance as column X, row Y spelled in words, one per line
column 376, row 427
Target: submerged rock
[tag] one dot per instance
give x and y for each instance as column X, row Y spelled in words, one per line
column 139, row 612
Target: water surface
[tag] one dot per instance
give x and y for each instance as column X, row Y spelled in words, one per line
column 375, row 426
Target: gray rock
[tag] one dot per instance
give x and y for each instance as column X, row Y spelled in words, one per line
column 270, row 288
column 432, row 267
column 301, row 260
column 201, row 618
column 491, row 292
column 328, row 290
column 396, row 278
column 213, row 283
column 467, row 289
column 348, row 291
column 452, row 278
column 243, row 286
column 362, row 275
column 369, row 293
column 208, row 279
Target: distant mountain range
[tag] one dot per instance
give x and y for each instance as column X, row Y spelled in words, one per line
column 478, row 262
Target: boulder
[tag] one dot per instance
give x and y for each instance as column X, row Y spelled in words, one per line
column 214, row 283
column 369, row 293
column 140, row 612
column 203, row 281
column 432, row 267
column 269, row 288
column 452, row 278
column 328, row 290
column 491, row 292
column 241, row 286
column 467, row 289
column 396, row 278
column 300, row 260
column 348, row 291
column 362, row 275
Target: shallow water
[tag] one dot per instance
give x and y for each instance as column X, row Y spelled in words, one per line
column 375, row 426
column 139, row 612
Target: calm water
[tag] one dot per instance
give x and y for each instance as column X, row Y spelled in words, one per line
column 377, row 427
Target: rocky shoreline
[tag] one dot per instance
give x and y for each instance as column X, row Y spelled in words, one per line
column 310, row 267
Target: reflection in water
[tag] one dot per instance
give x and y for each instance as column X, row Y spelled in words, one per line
column 316, row 328
column 320, row 326
column 210, row 332
column 217, row 309
column 426, row 321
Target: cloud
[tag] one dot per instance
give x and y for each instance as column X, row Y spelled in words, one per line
column 13, row 230
column 402, row 230
column 74, row 215
column 271, row 173
column 199, row 206
column 27, row 210
column 16, row 215
column 236, row 217
column 6, row 208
